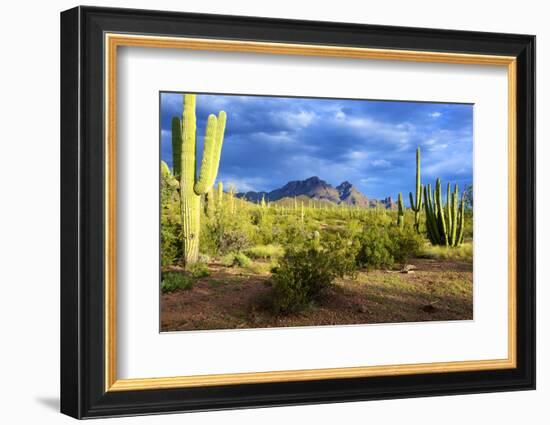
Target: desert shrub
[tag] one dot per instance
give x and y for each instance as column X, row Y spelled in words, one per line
column 468, row 225
column 170, row 233
column 354, row 228
column 304, row 271
column 198, row 270
column 261, row 267
column 172, row 281
column 375, row 248
column 264, row 230
column 265, row 251
column 204, row 258
column 223, row 233
column 233, row 239
column 404, row 243
column 236, row 259
column 170, row 247
column 292, row 232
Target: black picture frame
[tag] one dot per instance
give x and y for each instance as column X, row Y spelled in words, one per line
column 82, row 212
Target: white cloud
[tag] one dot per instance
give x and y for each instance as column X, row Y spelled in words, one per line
column 241, row 184
column 435, row 114
column 400, row 134
column 438, row 147
column 357, row 155
column 380, row 163
column 299, row 119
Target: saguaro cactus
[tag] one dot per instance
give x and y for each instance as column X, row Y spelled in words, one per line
column 191, row 187
column 444, row 223
column 416, row 203
column 400, row 214
column 209, row 205
column 220, row 194
column 232, row 191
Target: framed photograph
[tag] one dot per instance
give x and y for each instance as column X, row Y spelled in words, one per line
column 261, row 212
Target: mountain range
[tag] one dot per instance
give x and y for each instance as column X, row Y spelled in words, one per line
column 319, row 190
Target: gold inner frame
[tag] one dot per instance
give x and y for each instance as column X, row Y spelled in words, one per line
column 113, row 41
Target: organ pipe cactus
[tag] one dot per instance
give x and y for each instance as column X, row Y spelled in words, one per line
column 400, row 214
column 444, row 223
column 191, row 187
column 416, row 203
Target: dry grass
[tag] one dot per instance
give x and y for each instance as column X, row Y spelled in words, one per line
column 464, row 252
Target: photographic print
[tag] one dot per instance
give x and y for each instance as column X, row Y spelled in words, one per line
column 293, row 211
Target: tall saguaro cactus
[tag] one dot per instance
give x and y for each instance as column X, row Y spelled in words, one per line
column 416, row 203
column 191, row 187
column 444, row 223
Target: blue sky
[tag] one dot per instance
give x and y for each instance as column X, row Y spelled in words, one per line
column 272, row 140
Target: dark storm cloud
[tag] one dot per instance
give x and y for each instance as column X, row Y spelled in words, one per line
column 272, row 140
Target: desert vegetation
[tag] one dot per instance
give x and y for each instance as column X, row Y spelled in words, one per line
column 235, row 261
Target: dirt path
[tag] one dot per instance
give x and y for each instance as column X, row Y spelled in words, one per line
column 233, row 298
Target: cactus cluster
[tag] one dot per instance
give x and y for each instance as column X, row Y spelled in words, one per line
column 416, row 203
column 444, row 223
column 184, row 143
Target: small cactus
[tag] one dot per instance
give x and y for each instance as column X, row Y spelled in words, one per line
column 400, row 214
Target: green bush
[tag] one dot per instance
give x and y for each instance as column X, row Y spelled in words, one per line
column 172, row 281
column 223, row 233
column 170, row 248
column 170, row 228
column 236, row 259
column 405, row 243
column 375, row 248
column 265, row 251
column 304, row 271
column 198, row 270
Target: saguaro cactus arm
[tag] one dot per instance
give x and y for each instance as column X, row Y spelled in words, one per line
column 220, row 133
column 201, row 185
column 188, row 141
column 416, row 203
column 176, row 146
